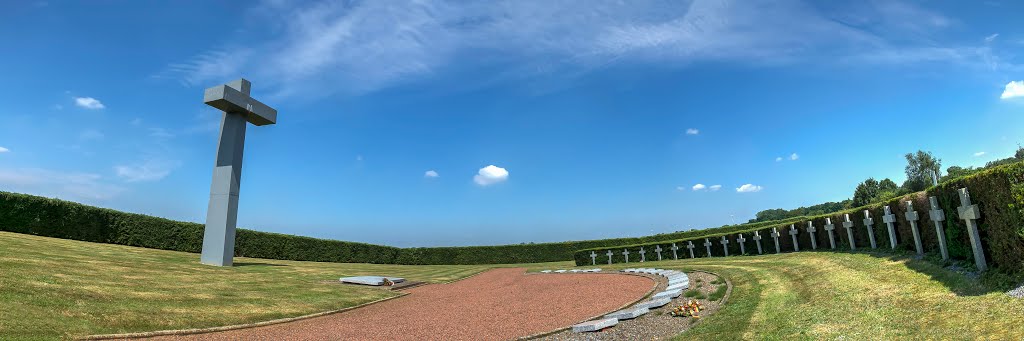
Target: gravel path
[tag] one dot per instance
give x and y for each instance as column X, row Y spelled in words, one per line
column 499, row 304
column 657, row 324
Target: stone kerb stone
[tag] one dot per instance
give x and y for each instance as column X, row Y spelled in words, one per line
column 628, row 313
column 595, row 325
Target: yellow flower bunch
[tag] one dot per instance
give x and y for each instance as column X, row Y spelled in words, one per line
column 690, row 309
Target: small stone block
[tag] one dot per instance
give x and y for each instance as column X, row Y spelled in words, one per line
column 559, row 271
column 937, row 215
column 628, row 313
column 370, row 280
column 595, row 325
column 654, row 303
column 668, row 293
column 912, row 216
column 969, row 212
column 889, row 218
column 545, row 271
column 681, row 286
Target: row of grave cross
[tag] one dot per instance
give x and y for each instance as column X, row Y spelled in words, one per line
column 967, row 211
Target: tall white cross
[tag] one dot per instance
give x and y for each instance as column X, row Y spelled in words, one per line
column 657, row 249
column 675, row 255
column 889, row 219
column 810, row 230
column 792, row 233
column 848, row 224
column 610, row 254
column 757, row 240
column 970, row 214
column 870, row 223
column 775, row 235
column 625, row 253
column 912, row 217
column 829, row 227
column 690, row 246
column 643, row 255
column 937, row 216
column 707, row 244
column 741, row 241
column 222, row 212
column 593, row 258
column 725, row 246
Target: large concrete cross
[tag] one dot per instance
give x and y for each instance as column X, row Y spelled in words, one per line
column 657, row 249
column 792, row 233
column 870, row 224
column 593, row 258
column 848, row 224
column 222, row 212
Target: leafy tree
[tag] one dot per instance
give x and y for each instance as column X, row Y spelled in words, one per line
column 921, row 166
column 865, row 192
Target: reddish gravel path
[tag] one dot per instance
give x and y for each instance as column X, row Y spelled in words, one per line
column 499, row 304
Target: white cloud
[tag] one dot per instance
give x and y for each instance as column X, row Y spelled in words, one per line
column 68, row 185
column 979, row 154
column 1013, row 89
column 794, row 156
column 149, row 170
column 160, row 133
column 777, row 159
column 349, row 46
column 4, row 150
column 991, row 38
column 715, row 187
column 692, row 131
column 698, row 187
column 748, row 188
column 88, row 103
column 431, row 174
column 680, row 188
column 490, row 175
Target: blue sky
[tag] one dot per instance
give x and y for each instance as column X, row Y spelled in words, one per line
column 600, row 119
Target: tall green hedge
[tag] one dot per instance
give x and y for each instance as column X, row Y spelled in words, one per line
column 998, row 192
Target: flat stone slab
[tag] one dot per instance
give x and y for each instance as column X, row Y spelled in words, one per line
column 668, row 293
column 559, row 271
column 654, row 303
column 545, row 271
column 628, row 313
column 370, row 280
column 683, row 286
column 595, row 325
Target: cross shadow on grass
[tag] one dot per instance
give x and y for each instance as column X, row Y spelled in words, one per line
column 961, row 284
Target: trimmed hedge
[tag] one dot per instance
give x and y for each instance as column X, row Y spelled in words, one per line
column 42, row 216
column 998, row 192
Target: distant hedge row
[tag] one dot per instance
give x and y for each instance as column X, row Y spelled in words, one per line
column 42, row 216
column 998, row 192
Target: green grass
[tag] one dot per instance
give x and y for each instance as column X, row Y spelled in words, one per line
column 54, row 288
column 718, row 293
column 851, row 296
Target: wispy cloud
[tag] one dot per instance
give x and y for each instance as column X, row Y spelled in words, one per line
column 89, row 103
column 151, row 169
column 431, row 174
column 979, row 154
column 68, row 185
column 4, row 150
column 714, row 187
column 749, row 188
column 794, row 157
column 91, row 134
column 323, row 47
column 991, row 38
column 692, row 131
column 699, row 187
column 778, row 159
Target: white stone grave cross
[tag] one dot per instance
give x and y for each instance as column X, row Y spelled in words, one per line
column 757, row 240
column 775, row 234
column 741, row 241
column 811, row 229
column 870, row 223
column 625, row 252
column 889, row 219
column 675, row 254
column 848, row 224
column 792, row 233
column 593, row 258
column 643, row 255
column 725, row 245
column 657, row 249
column 970, row 214
column 222, row 212
column 937, row 216
column 829, row 227
column 690, row 246
column 912, row 217
column 707, row 245
column 610, row 254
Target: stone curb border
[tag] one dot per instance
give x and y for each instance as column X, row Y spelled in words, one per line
column 657, row 283
column 193, row 331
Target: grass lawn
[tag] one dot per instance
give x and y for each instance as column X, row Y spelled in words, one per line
column 850, row 296
column 54, row 288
